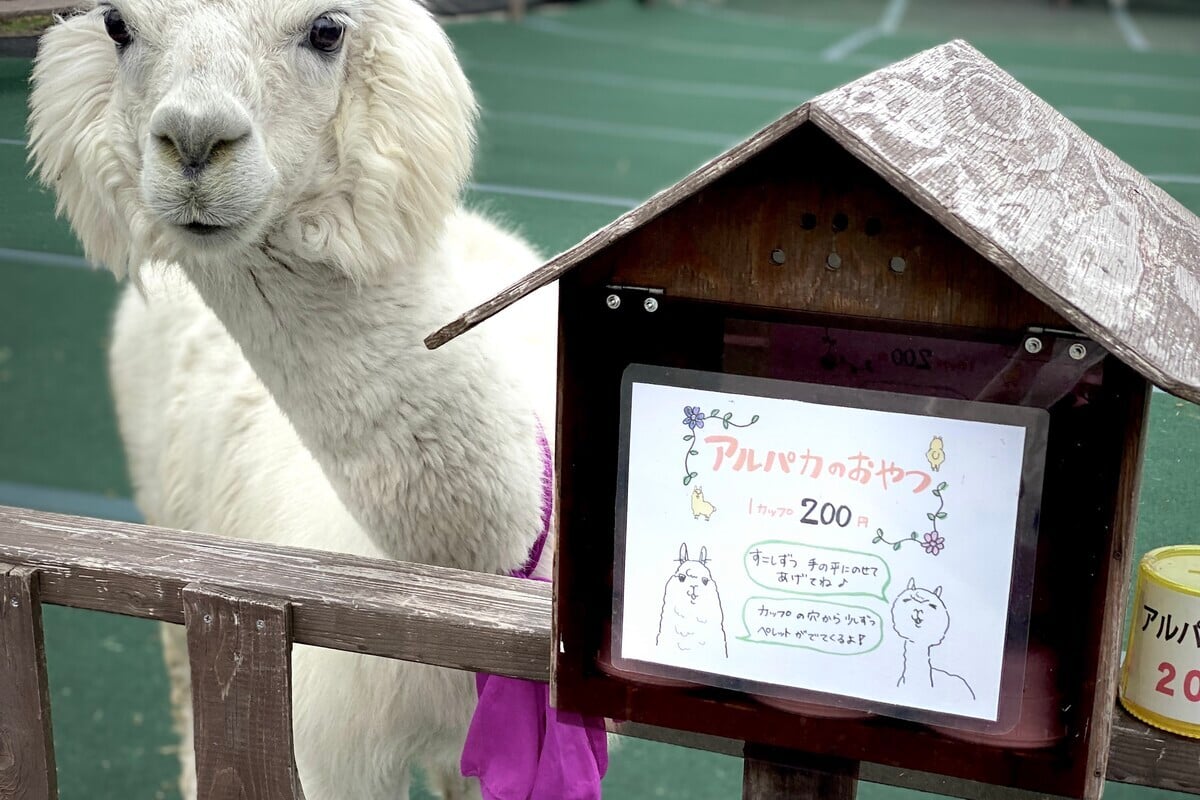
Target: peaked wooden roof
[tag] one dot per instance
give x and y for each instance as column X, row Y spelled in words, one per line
column 1010, row 176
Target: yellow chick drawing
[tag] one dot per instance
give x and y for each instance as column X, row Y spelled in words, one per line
column 936, row 454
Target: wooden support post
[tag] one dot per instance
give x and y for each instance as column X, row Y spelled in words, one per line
column 822, row 779
column 240, row 651
column 27, row 770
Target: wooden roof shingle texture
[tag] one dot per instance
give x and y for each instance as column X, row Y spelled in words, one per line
column 1034, row 194
column 1014, row 179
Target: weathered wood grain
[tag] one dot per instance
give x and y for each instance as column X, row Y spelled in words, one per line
column 27, row 770
column 361, row 605
column 1116, row 582
column 1148, row 756
column 1034, row 194
column 807, row 210
column 412, row 612
column 240, row 652
column 827, row 779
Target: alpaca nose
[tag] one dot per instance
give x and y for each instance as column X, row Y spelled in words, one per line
column 197, row 136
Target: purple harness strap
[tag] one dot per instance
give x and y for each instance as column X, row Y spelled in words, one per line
column 518, row 746
column 535, row 552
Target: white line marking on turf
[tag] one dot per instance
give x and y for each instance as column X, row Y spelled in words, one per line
column 623, row 80
column 625, row 130
column 1144, row 119
column 777, row 55
column 725, row 14
column 41, row 259
column 1129, row 29
column 68, row 501
column 854, row 41
column 1193, row 180
column 887, row 25
column 553, row 194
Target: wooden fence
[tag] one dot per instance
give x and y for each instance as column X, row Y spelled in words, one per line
column 257, row 599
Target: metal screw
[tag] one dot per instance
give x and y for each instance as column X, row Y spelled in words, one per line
column 833, row 261
column 260, row 624
column 15, row 602
column 613, row 301
column 897, row 265
column 1077, row 351
column 208, row 619
column 778, row 257
column 650, row 304
column 1033, row 345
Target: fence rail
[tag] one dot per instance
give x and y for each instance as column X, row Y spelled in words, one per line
column 413, row 612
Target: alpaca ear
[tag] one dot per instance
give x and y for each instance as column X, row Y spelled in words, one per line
column 73, row 144
column 703, row 555
column 683, row 556
column 938, row 593
column 403, row 141
column 912, row 583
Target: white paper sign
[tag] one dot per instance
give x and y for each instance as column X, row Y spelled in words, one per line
column 856, row 552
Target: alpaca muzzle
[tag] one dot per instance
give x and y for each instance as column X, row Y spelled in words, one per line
column 193, row 139
column 205, row 171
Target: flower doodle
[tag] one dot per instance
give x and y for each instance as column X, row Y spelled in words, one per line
column 694, row 418
column 932, row 542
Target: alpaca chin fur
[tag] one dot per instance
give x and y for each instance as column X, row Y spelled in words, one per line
column 275, row 386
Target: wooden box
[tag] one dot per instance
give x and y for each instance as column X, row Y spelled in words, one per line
column 930, row 247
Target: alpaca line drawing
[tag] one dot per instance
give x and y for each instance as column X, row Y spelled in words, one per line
column 922, row 620
column 692, row 618
column 700, row 506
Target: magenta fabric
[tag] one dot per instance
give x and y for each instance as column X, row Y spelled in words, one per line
column 522, row 749
column 518, row 746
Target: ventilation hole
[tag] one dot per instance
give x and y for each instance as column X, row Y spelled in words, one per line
column 840, row 222
column 874, row 226
column 808, row 221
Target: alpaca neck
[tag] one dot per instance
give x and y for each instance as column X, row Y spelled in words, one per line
column 435, row 453
column 917, row 666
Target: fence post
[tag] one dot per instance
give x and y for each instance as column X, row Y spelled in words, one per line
column 240, row 651
column 27, row 768
column 820, row 779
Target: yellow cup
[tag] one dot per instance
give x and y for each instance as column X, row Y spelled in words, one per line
column 1160, row 678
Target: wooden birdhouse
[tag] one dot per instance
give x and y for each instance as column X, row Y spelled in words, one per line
column 850, row 431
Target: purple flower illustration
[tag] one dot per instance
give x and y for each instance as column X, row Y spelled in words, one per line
column 693, row 417
column 933, row 543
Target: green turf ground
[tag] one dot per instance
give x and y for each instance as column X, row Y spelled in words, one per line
column 587, row 110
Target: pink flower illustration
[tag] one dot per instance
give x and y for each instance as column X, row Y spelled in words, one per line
column 933, row 543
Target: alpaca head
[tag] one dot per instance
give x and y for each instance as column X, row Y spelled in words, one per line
column 920, row 616
column 339, row 131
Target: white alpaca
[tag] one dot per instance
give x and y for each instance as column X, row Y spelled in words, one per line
column 282, row 181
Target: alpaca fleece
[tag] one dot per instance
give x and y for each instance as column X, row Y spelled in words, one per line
column 267, row 360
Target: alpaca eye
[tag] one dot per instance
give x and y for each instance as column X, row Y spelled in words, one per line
column 117, row 30
column 326, row 35
column 704, row 581
column 682, row 578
